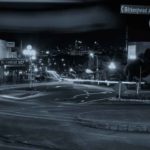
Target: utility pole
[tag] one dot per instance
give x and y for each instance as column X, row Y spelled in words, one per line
column 97, row 66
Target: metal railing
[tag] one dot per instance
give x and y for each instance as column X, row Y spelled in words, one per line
column 107, row 82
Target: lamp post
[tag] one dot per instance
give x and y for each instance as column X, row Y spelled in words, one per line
column 31, row 54
column 140, row 79
column 112, row 67
column 92, row 55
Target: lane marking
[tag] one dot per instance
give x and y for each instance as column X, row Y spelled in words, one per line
column 22, row 98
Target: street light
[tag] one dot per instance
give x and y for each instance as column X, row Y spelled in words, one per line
column 35, row 69
column 47, row 52
column 112, row 66
column 62, row 59
column 88, row 71
column 31, row 54
column 29, row 47
column 91, row 54
column 71, row 70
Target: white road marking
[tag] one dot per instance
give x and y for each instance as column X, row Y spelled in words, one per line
column 89, row 94
column 46, row 117
column 58, row 86
column 22, row 98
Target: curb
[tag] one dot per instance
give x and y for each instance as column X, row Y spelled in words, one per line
column 146, row 101
column 115, row 125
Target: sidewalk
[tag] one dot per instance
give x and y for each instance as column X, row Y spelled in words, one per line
column 117, row 120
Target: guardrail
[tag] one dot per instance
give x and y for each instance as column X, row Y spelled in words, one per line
column 138, row 84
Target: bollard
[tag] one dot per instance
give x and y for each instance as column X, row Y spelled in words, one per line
column 119, row 94
column 137, row 88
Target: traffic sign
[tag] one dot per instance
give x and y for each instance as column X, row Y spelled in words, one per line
column 10, row 44
column 135, row 9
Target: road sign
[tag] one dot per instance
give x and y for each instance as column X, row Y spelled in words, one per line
column 10, row 44
column 135, row 9
column 12, row 62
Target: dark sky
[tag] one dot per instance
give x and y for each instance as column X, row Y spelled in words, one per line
column 63, row 20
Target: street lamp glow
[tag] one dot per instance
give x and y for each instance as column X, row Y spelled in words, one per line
column 35, row 69
column 62, row 60
column 29, row 52
column 80, row 42
column 5, row 66
column 95, row 42
column 71, row 70
column 6, row 73
column 33, row 57
column 47, row 52
column 20, row 72
column 29, row 47
column 91, row 54
column 112, row 66
column 88, row 71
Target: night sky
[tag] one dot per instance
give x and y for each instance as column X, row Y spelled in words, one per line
column 43, row 24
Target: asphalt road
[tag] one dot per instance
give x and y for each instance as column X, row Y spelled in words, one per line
column 45, row 118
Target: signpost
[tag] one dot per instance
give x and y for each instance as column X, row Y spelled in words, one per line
column 135, row 10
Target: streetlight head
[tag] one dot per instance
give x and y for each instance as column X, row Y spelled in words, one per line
column 95, row 42
column 33, row 57
column 91, row 54
column 70, row 70
column 112, row 66
column 29, row 47
column 35, row 69
column 88, row 71
column 25, row 52
column 47, row 52
column 80, row 42
column 62, row 59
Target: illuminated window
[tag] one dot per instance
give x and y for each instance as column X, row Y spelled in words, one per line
column 132, row 52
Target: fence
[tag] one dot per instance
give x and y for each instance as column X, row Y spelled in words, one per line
column 120, row 83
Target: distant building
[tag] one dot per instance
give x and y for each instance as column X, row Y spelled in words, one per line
column 12, row 69
column 6, row 49
column 3, row 49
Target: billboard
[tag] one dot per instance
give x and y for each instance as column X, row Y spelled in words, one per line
column 132, row 52
column 135, row 49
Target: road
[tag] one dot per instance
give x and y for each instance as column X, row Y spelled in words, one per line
column 45, row 118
